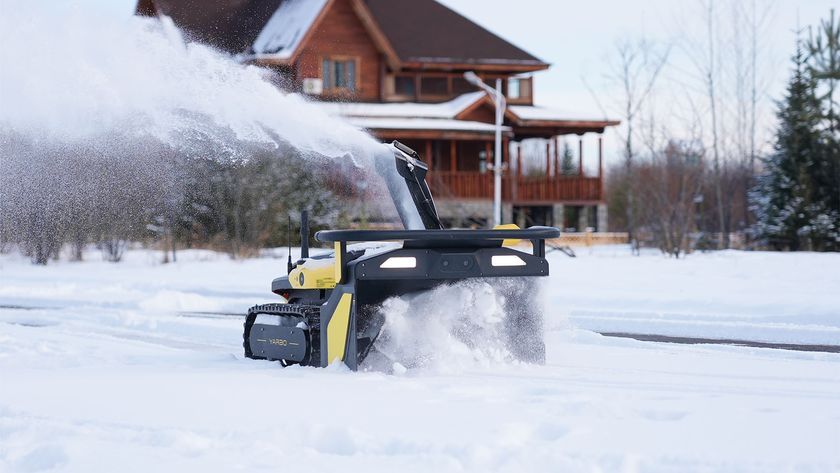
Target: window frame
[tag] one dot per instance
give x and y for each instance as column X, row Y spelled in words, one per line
column 397, row 96
column 330, row 88
column 526, row 99
column 424, row 97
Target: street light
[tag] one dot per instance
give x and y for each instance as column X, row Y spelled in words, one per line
column 499, row 101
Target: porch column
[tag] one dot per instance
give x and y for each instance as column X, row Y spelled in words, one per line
column 583, row 218
column 558, row 215
column 453, row 155
column 580, row 155
column 602, row 218
column 429, row 158
column 547, row 158
column 600, row 155
column 556, row 155
column 601, row 177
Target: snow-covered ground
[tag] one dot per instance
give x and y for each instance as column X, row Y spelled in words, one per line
column 124, row 367
column 758, row 296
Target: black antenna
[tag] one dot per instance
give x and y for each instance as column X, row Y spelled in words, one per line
column 289, row 265
column 304, row 234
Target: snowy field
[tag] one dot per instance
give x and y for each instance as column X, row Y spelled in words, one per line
column 130, row 368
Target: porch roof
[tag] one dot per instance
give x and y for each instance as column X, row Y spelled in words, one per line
column 522, row 121
column 537, row 121
column 443, row 124
column 405, row 109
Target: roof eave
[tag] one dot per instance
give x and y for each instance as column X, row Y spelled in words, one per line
column 443, row 64
column 549, row 128
column 264, row 60
column 569, row 123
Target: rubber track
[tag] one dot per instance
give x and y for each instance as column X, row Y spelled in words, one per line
column 311, row 313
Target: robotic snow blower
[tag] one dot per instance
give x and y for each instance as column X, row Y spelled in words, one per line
column 331, row 303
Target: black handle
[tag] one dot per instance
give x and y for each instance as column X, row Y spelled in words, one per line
column 532, row 233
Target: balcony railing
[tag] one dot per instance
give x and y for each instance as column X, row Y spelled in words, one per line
column 519, row 189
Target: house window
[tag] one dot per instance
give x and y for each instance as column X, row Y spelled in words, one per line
column 434, row 86
column 519, row 89
column 461, row 86
column 405, row 86
column 339, row 74
column 513, row 88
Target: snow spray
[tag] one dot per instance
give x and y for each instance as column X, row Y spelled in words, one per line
column 71, row 75
column 79, row 90
column 466, row 325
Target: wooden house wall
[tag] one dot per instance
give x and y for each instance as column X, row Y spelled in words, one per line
column 340, row 34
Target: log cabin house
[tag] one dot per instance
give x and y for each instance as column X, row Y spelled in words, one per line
column 396, row 68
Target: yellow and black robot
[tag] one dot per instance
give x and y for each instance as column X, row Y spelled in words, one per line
column 329, row 309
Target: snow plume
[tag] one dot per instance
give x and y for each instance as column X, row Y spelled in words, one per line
column 482, row 323
column 69, row 75
column 100, row 112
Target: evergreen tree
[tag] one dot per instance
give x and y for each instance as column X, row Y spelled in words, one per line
column 823, row 62
column 791, row 201
column 567, row 162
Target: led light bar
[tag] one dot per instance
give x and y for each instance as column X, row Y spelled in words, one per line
column 507, row 260
column 399, row 262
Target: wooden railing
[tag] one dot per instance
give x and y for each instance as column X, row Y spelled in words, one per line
column 475, row 185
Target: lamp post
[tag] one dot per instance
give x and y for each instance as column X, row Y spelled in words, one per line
column 499, row 101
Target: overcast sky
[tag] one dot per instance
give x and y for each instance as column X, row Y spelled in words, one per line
column 578, row 39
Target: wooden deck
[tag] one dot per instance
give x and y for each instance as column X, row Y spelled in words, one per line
column 518, row 189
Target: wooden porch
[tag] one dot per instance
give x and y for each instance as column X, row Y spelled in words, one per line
column 461, row 169
column 516, row 188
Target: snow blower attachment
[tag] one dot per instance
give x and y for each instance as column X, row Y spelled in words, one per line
column 331, row 304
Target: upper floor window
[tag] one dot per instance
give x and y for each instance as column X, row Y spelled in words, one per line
column 461, row 86
column 425, row 87
column 519, row 89
column 339, row 74
column 434, row 86
column 405, row 86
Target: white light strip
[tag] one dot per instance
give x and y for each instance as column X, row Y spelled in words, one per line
column 507, row 260
column 399, row 262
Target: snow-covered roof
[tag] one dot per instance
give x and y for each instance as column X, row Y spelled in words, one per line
column 440, row 116
column 397, row 123
column 533, row 112
column 406, row 110
column 281, row 36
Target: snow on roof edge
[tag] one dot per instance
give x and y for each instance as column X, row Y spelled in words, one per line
column 284, row 31
column 404, row 109
column 401, row 123
column 536, row 112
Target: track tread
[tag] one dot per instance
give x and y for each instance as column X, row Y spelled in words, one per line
column 310, row 313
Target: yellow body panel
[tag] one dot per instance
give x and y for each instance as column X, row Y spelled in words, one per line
column 508, row 226
column 337, row 329
column 313, row 274
column 338, row 263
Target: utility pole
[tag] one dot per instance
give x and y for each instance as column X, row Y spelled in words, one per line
column 499, row 102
